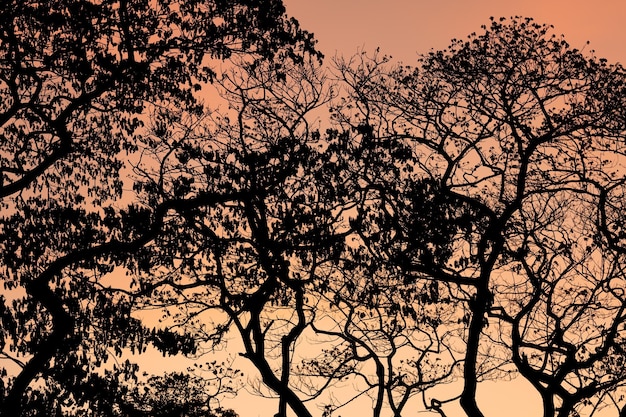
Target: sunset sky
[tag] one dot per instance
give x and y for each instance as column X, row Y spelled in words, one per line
column 220, row 214
column 405, row 28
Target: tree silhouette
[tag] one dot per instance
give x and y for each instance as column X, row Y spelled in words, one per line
column 77, row 81
column 460, row 221
column 253, row 254
column 123, row 392
column 501, row 177
column 450, row 223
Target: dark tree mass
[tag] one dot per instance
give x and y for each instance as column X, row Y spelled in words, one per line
column 78, row 83
column 189, row 177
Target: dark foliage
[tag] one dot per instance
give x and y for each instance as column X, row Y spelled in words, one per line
column 453, row 222
column 77, row 82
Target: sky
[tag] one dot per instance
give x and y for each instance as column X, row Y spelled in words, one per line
column 406, row 28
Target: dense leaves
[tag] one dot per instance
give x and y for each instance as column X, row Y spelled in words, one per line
column 78, row 80
column 450, row 223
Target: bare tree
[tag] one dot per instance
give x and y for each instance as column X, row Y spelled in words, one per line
column 253, row 255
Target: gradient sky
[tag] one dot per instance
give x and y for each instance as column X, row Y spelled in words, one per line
column 406, row 28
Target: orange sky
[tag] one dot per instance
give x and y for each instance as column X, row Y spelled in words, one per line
column 404, row 28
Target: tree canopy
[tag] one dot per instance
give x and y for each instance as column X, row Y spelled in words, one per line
column 520, row 139
column 366, row 231
column 78, row 80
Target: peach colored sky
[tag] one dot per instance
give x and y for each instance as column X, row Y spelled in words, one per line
column 404, row 28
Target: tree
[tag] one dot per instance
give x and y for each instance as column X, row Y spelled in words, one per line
column 193, row 393
column 454, row 222
column 123, row 391
column 270, row 261
column 435, row 206
column 77, row 79
column 497, row 165
column 251, row 255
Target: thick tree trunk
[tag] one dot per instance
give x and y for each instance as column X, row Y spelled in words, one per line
column 478, row 307
column 63, row 325
column 468, row 396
